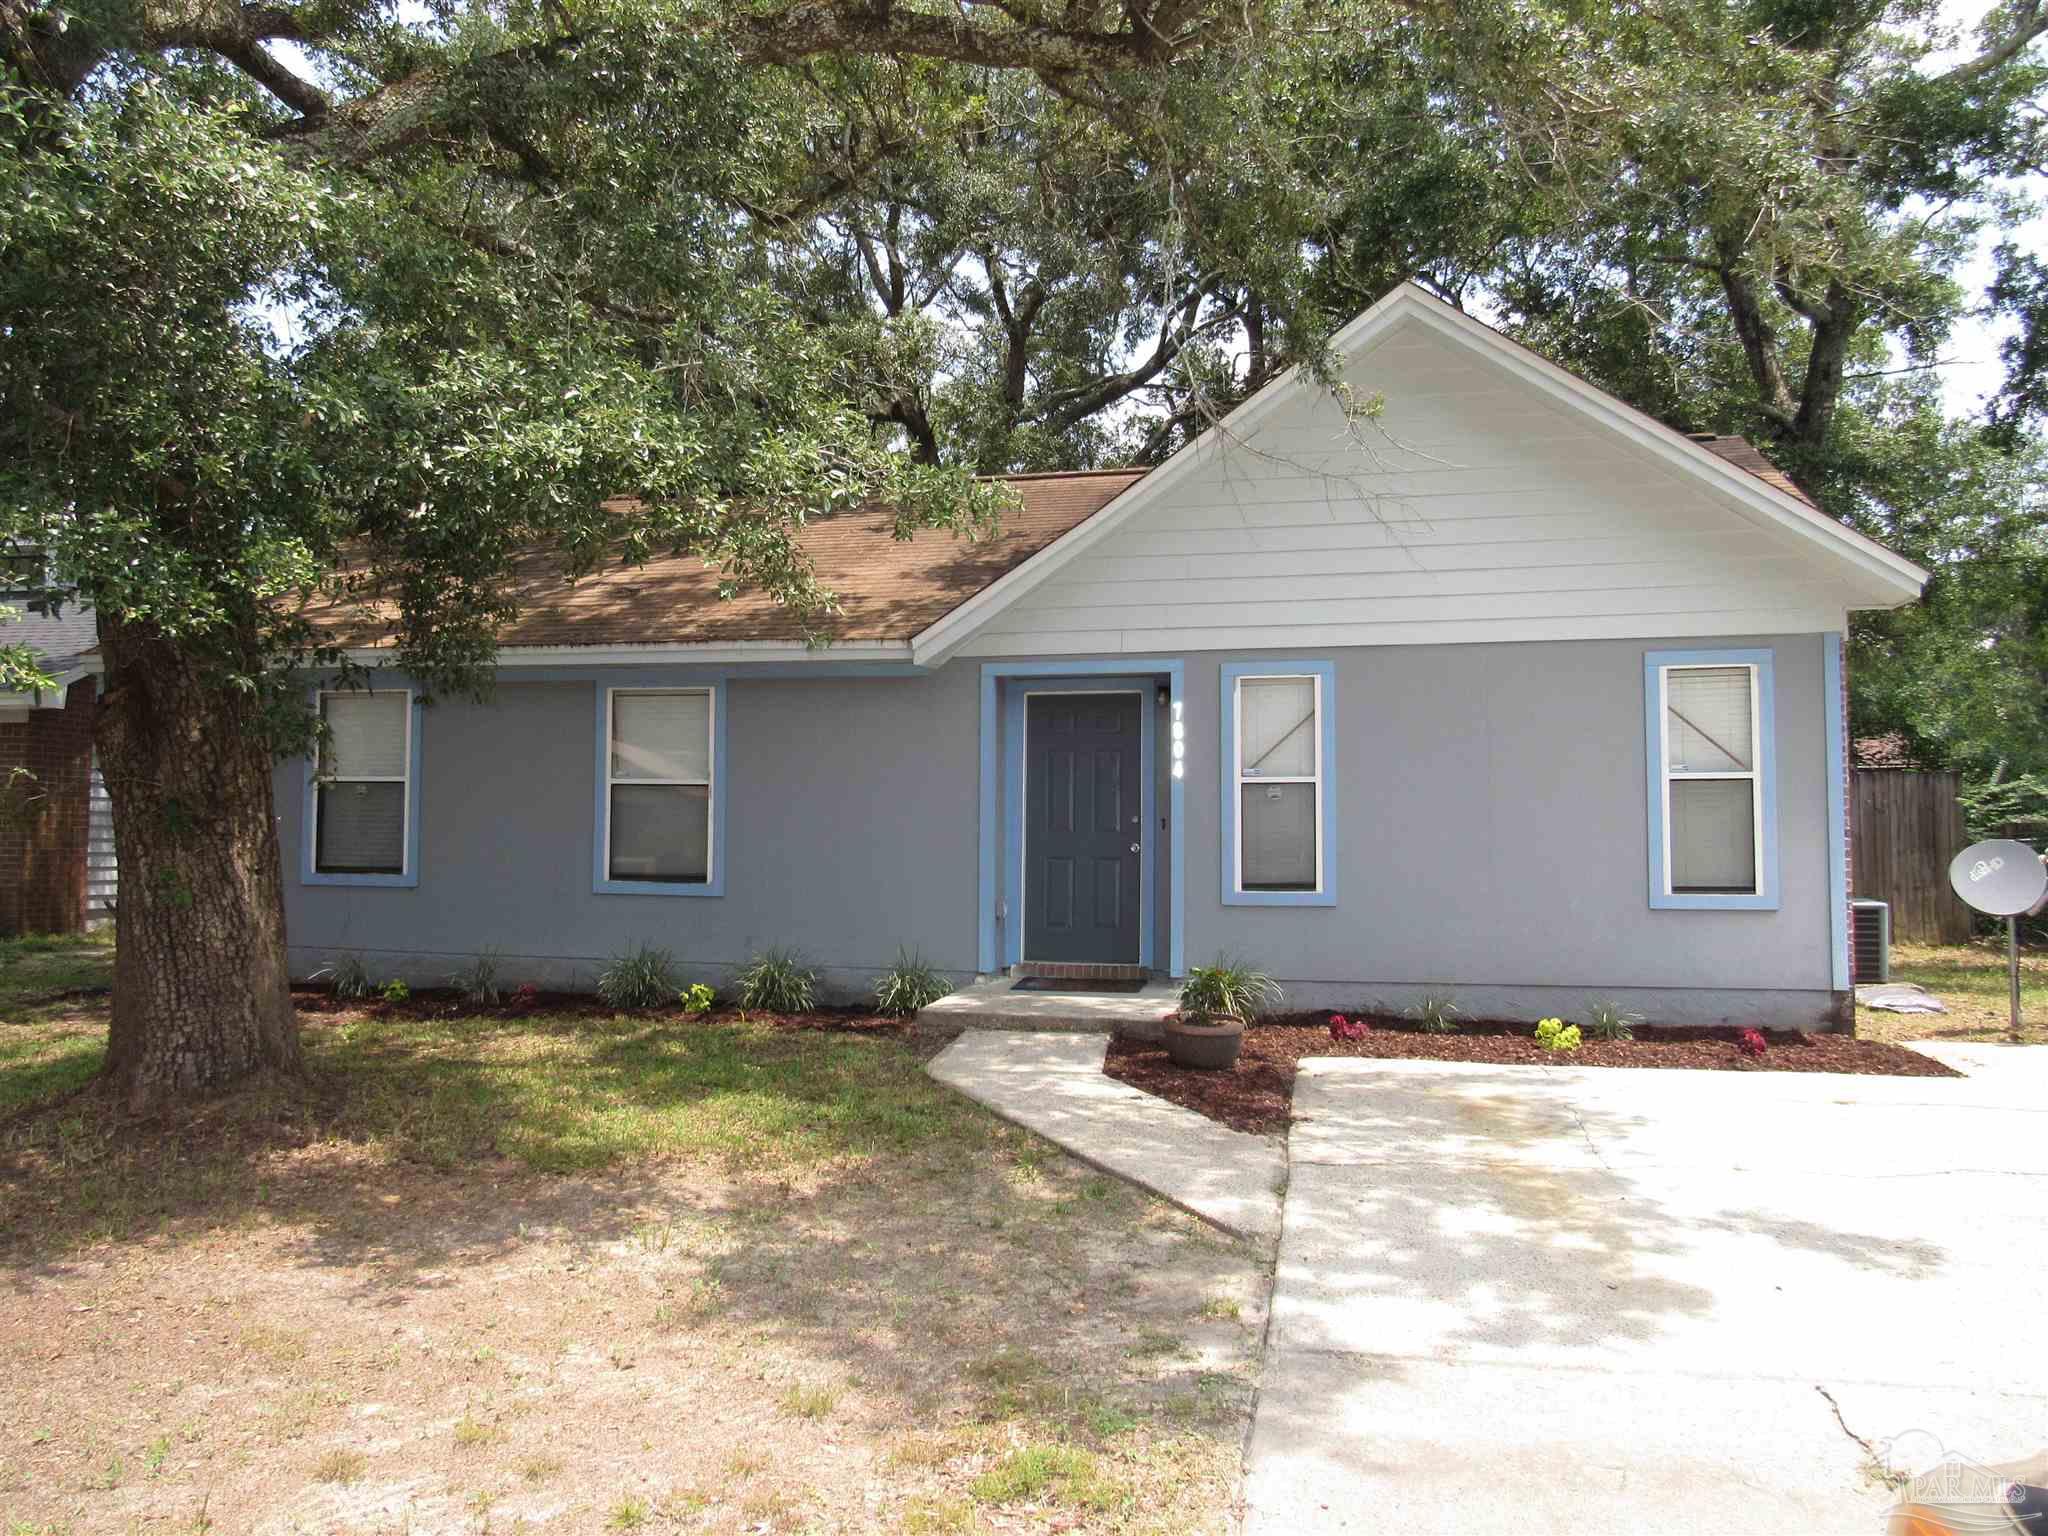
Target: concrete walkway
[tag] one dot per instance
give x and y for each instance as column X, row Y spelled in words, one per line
column 1615, row 1301
column 1052, row 1083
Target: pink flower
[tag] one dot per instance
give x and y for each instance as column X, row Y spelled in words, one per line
column 1751, row 1043
column 1342, row 1028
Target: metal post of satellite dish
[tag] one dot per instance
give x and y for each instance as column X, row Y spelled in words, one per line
column 2012, row 961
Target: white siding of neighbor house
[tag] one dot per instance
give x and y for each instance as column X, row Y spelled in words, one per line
column 102, row 868
column 1469, row 509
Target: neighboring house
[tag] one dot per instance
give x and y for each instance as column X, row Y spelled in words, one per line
column 56, row 836
column 1502, row 690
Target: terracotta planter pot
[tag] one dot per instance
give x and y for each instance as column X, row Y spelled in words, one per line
column 1209, row 1044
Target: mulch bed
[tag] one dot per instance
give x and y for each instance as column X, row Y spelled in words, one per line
column 447, row 1003
column 1258, row 1094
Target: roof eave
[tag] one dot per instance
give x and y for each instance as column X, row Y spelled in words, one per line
column 514, row 658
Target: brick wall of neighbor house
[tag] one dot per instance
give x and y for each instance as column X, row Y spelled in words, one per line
column 42, row 849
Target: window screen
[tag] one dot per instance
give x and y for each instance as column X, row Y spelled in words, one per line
column 659, row 793
column 362, row 789
column 1711, row 782
column 1279, row 784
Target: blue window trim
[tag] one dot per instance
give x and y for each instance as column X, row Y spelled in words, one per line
column 991, row 798
column 309, row 825
column 601, row 882
column 1325, row 895
column 1013, row 808
column 1838, row 812
column 1765, row 897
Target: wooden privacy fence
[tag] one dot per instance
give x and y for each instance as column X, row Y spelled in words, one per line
column 1904, row 828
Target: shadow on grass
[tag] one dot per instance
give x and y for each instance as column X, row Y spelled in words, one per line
column 461, row 1100
column 42, row 1072
column 696, row 1197
column 38, row 967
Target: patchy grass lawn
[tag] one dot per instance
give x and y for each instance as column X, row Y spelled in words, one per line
column 585, row 1274
column 51, row 1039
column 1972, row 980
column 36, row 967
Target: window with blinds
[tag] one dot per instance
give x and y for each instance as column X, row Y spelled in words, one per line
column 658, row 786
column 1279, row 784
column 1712, row 785
column 364, row 785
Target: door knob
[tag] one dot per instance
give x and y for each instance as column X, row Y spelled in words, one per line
column 1134, row 847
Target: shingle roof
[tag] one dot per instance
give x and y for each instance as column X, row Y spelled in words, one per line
column 888, row 589
column 1744, row 454
column 61, row 642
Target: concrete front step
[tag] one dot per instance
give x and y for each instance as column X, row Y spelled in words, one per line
column 997, row 1004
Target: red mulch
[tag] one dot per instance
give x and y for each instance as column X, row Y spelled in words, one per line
column 1258, row 1093
column 446, row 1003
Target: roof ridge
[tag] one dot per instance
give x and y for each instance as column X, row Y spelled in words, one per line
column 1068, row 474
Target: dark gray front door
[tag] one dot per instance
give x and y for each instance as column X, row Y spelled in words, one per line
column 1081, row 827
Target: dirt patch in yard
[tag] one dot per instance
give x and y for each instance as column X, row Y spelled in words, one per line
column 1258, row 1094
column 808, row 1290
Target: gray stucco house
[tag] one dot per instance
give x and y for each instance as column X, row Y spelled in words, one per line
column 1502, row 689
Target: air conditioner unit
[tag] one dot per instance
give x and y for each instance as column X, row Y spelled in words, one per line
column 1870, row 941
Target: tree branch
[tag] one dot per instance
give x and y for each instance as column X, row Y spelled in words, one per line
column 1176, row 330
column 1759, row 339
column 2029, row 22
column 400, row 112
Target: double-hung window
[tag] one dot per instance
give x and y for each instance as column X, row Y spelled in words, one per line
column 658, row 792
column 1276, row 746
column 1712, row 808
column 363, row 789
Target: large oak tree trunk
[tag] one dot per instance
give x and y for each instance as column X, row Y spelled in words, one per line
column 201, row 990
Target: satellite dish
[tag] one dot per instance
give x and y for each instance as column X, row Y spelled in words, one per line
column 2001, row 877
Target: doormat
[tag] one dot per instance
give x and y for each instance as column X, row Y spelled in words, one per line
column 1071, row 984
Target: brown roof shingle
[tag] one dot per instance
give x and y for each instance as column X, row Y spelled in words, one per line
column 888, row 589
column 1744, row 454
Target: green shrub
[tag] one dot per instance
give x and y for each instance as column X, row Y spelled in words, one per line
column 346, row 975
column 698, row 998
column 777, row 981
column 1606, row 1021
column 909, row 985
column 1229, row 988
column 1438, row 1015
column 396, row 991
column 1556, row 1035
column 641, row 977
column 478, row 981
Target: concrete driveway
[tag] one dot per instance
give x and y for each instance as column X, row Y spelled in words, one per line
column 1589, row 1300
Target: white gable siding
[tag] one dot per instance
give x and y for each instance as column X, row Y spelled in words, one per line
column 1468, row 510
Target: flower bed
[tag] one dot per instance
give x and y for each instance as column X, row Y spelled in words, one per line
column 527, row 1002
column 1257, row 1095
